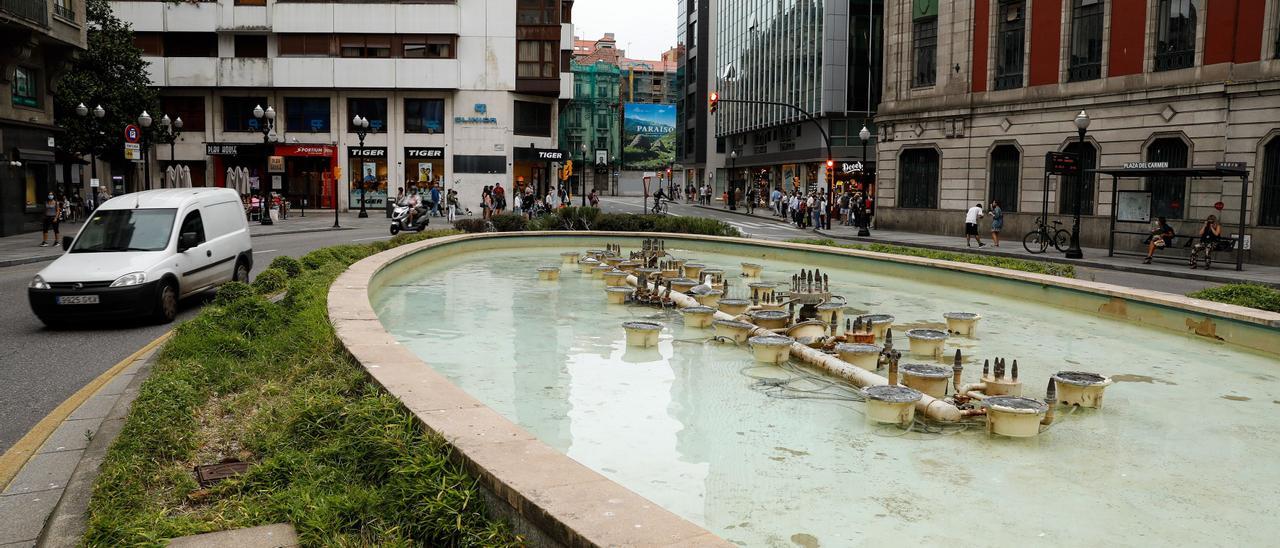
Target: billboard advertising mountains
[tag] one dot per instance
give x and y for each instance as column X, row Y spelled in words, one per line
column 648, row 136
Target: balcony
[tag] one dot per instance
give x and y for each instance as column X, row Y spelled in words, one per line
column 65, row 11
column 34, row 11
column 1172, row 60
column 1084, row 71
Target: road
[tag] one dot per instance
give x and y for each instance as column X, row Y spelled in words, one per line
column 40, row 368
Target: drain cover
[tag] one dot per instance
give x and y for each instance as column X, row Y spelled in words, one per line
column 209, row 474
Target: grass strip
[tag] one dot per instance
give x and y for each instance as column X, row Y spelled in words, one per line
column 268, row 383
column 1052, row 269
column 1256, row 296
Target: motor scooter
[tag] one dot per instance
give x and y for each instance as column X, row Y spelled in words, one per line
column 400, row 219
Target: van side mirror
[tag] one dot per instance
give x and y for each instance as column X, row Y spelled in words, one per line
column 66, row 242
column 187, row 240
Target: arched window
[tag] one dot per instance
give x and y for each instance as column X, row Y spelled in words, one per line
column 1175, row 34
column 918, row 178
column 1068, row 185
column 1269, row 212
column 1086, row 41
column 1005, row 172
column 1168, row 193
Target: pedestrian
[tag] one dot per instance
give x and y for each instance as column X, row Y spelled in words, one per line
column 593, row 198
column 436, row 205
column 452, row 198
column 971, row 218
column 997, row 221
column 52, row 214
column 499, row 198
column 486, row 202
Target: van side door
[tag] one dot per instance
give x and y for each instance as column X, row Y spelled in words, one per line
column 195, row 257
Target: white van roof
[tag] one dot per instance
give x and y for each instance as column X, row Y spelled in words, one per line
column 174, row 198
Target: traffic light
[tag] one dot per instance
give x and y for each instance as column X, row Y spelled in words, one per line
column 715, row 102
column 831, row 166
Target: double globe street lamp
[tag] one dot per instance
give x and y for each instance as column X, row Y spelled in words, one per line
column 361, row 125
column 144, row 120
column 1074, row 251
column 169, row 132
column 98, row 114
column 863, row 230
column 267, row 127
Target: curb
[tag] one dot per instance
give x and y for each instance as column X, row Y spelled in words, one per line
column 743, row 213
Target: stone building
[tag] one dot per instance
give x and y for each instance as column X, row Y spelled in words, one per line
column 977, row 92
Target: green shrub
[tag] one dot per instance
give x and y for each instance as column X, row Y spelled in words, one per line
column 694, row 225
column 289, row 265
column 545, row 222
column 1256, row 296
column 271, row 280
column 317, row 259
column 231, row 292
column 1037, row 267
column 471, row 226
column 509, row 222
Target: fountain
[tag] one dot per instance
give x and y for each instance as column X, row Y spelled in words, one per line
column 598, row 271
column 683, row 285
column 926, row 342
column 962, row 323
column 693, row 270
column 770, row 319
column 549, row 273
column 615, row 278
column 642, row 334
column 617, row 295
column 734, row 307
column 880, row 323
column 569, row 257
column 752, row 270
column 585, row 265
column 771, row 348
column 866, row 356
column 1079, row 388
column 929, row 379
column 698, row 316
column 736, row 331
column 1014, row 416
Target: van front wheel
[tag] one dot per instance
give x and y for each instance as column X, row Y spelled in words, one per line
column 166, row 302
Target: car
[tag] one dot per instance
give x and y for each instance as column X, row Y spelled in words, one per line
column 138, row 254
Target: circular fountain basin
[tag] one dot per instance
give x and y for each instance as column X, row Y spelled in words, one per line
column 808, row 330
column 698, row 316
column 710, row 298
column 1080, row 388
column 738, row 331
column 682, row 285
column 549, row 273
column 926, row 342
column 628, row 266
column 693, row 270
column 827, row 310
column 617, row 295
column 597, row 272
column 930, row 379
column 771, row 348
column 733, row 307
column 1013, row 416
column 962, row 323
column 866, row 356
column 770, row 319
column 569, row 257
column 752, row 270
column 642, row 334
column 614, row 277
column 880, row 323
column 891, row 404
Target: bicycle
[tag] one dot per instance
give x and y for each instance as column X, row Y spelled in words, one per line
column 659, row 207
column 1039, row 240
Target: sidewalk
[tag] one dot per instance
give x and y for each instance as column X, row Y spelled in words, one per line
column 1094, row 257
column 25, row 248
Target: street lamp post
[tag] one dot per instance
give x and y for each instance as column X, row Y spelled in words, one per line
column 98, row 113
column 733, row 171
column 268, row 130
column 361, row 125
column 863, row 229
column 582, row 172
column 1074, row 251
column 144, row 120
column 169, row 132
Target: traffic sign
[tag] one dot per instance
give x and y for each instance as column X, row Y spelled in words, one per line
column 132, row 151
column 132, row 134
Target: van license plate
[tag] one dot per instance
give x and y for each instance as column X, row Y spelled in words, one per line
column 78, row 299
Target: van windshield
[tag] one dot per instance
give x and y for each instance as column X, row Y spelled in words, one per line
column 126, row 230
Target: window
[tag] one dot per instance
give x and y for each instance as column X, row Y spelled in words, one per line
column 533, row 119
column 925, row 37
column 193, row 224
column 237, row 113
column 150, row 43
column 190, row 44
column 918, row 178
column 479, row 164
column 1011, row 19
column 1069, row 185
column 1086, row 41
column 64, row 9
column 536, row 59
column 1005, row 173
column 306, row 114
column 1167, row 192
column 537, row 12
column 1269, row 214
column 190, row 109
column 251, row 2
column 375, row 110
column 251, row 45
column 1175, row 34
column 26, row 87
column 427, row 47
column 373, row 46
column 305, row 45
column 424, row 115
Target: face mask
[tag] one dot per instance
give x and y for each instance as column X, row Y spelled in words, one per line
column 50, row 196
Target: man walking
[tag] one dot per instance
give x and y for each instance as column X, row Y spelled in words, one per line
column 971, row 218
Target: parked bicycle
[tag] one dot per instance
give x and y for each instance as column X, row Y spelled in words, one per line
column 1039, row 240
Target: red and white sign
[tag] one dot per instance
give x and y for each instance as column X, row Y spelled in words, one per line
column 132, row 134
column 325, row 151
column 1218, row 206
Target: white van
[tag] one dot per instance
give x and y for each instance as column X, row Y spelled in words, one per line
column 138, row 254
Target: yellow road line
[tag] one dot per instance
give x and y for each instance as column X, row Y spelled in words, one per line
column 17, row 456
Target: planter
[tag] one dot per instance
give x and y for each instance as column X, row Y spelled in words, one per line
column 738, row 331
column 613, row 261
column 597, row 272
column 698, row 316
column 682, row 285
column 1013, row 416
column 771, row 348
column 962, row 323
column 808, row 330
column 628, row 266
column 645, row 274
column 770, row 319
column 926, row 342
column 585, row 265
column 826, row 311
column 891, row 404
column 597, row 254
column 549, row 273
column 709, row 299
column 752, row 270
column 733, row 307
column 617, row 295
column 930, row 379
column 642, row 334
column 762, row 290
column 614, row 278
column 670, row 273
column 569, row 257
column 693, row 270
column 866, row 356
column 1079, row 388
column 880, row 323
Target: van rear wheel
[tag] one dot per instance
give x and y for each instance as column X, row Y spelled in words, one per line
column 166, row 302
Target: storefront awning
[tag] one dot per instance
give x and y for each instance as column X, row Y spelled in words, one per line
column 36, row 155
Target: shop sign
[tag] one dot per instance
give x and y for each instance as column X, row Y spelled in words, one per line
column 305, row 150
column 540, row 155
column 857, row 167
column 275, row 164
column 1146, row 165
column 219, row 149
column 418, row 153
column 1231, row 166
column 482, row 110
column 367, row 152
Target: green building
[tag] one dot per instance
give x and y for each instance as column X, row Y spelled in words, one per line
column 591, row 126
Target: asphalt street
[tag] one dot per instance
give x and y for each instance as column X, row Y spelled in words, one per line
column 39, row 368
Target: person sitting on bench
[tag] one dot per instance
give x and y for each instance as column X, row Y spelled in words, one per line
column 1161, row 237
column 1210, row 236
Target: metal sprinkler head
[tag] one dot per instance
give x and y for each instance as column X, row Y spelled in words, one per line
column 956, row 364
column 1015, row 370
column 1050, row 393
column 986, row 367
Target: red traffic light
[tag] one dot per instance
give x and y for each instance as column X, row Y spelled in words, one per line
column 830, row 165
column 715, row 102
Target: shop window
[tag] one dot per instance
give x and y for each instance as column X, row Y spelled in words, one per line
column 533, row 119
column 151, row 43
column 1269, row 212
column 373, row 109
column 1168, row 193
column 251, row 2
column 918, row 178
column 305, row 45
column 424, row 115
column 536, row 59
column 237, row 113
column 26, row 87
column 1010, row 44
column 1005, row 173
column 1175, row 34
column 35, row 181
column 307, row 114
column 190, row 109
column 1069, row 185
column 463, row 163
column 537, row 12
column 924, row 37
column 190, row 44
column 1086, row 41
column 373, row 46
column 427, row 47
column 251, row 45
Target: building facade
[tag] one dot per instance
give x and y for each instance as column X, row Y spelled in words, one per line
column 37, row 40
column 460, row 93
column 821, row 56
column 590, row 126
column 699, row 153
column 978, row 91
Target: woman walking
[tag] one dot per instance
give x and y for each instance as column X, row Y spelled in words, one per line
column 997, row 221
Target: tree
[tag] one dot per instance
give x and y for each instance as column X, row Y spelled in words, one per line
column 110, row 73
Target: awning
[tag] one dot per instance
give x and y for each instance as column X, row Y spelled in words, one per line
column 36, row 155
